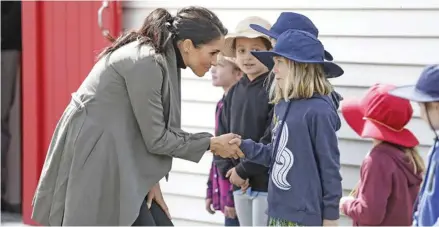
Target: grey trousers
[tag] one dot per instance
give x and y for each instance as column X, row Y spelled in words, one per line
column 251, row 208
column 10, row 63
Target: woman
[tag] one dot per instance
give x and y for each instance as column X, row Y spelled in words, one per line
column 117, row 137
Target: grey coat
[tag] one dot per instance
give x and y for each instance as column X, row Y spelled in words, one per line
column 115, row 140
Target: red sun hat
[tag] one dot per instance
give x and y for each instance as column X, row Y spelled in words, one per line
column 380, row 116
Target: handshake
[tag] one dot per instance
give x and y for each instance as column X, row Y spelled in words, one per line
column 226, row 146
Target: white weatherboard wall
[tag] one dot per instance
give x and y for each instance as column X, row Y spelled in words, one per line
column 373, row 40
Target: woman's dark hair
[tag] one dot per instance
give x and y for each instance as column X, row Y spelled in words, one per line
column 195, row 23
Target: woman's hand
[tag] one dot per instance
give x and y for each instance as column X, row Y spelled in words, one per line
column 234, row 178
column 156, row 194
column 220, row 146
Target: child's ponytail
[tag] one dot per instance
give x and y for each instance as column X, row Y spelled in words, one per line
column 415, row 159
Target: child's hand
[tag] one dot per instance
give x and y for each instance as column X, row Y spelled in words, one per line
column 236, row 141
column 343, row 200
column 234, row 178
column 245, row 186
column 209, row 206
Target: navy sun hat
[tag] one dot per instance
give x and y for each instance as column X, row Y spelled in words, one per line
column 426, row 88
column 302, row 47
column 290, row 20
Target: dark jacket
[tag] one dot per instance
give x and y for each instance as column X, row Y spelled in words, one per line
column 247, row 112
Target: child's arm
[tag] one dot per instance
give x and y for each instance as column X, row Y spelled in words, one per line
column 209, row 182
column 370, row 206
column 258, row 153
column 229, row 201
column 323, row 134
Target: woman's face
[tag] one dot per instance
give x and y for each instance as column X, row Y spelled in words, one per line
column 200, row 59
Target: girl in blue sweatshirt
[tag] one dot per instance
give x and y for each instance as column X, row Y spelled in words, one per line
column 303, row 156
column 426, row 94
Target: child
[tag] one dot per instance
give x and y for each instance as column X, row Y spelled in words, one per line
column 247, row 112
column 220, row 191
column 291, row 20
column 426, row 93
column 305, row 182
column 392, row 172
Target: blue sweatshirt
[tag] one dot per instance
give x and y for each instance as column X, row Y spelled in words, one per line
column 427, row 213
column 305, row 182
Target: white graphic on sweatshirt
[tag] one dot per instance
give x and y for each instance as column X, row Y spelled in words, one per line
column 284, row 160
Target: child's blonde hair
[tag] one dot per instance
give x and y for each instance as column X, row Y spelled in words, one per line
column 302, row 82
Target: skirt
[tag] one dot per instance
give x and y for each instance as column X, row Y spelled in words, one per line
column 280, row 222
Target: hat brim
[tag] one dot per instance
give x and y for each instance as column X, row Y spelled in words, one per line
column 353, row 113
column 328, row 56
column 331, row 69
column 411, row 93
column 264, row 31
column 229, row 51
column 274, row 35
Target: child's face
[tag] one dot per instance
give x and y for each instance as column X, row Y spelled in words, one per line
column 280, row 70
column 273, row 42
column 245, row 60
column 224, row 74
column 433, row 113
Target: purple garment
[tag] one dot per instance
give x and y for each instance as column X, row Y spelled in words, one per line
column 219, row 189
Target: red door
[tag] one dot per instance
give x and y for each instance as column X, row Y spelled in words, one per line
column 61, row 40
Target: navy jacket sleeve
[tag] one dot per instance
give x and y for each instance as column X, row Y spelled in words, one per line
column 224, row 164
column 324, row 124
column 258, row 153
column 245, row 168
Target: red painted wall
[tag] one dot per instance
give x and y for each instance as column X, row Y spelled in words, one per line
column 60, row 42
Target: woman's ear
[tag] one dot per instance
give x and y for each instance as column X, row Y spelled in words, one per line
column 187, row 45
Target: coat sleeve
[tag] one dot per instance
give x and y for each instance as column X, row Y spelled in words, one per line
column 370, row 206
column 144, row 82
column 209, row 182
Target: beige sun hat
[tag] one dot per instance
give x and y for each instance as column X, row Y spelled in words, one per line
column 243, row 30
